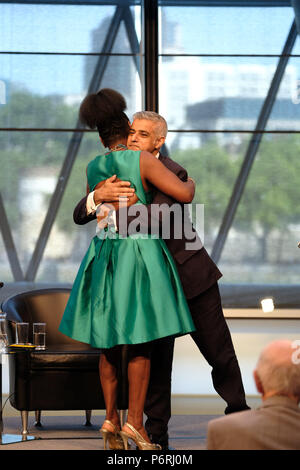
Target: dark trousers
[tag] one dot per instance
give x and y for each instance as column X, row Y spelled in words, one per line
column 213, row 340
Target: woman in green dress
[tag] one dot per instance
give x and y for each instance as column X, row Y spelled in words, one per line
column 127, row 290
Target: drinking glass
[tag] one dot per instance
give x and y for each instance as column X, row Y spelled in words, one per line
column 39, row 335
column 22, row 329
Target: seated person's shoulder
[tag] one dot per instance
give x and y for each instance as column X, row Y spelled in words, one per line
column 235, row 420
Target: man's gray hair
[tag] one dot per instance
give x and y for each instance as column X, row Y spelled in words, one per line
column 277, row 371
column 161, row 127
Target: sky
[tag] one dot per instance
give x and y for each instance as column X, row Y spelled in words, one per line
column 64, row 28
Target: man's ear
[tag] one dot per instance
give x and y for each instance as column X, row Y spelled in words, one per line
column 258, row 382
column 160, row 142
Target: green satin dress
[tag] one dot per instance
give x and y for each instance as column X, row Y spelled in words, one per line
column 127, row 290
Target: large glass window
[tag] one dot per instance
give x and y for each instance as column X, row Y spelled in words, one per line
column 221, row 75
column 216, row 68
column 51, row 56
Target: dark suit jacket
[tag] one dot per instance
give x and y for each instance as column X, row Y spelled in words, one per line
column 196, row 269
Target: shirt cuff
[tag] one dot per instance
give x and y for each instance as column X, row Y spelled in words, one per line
column 114, row 218
column 91, row 207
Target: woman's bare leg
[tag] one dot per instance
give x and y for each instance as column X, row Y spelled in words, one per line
column 138, row 377
column 109, row 383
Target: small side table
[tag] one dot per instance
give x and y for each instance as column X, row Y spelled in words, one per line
column 9, row 438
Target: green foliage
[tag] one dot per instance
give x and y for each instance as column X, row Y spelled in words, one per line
column 270, row 200
column 25, row 109
column 271, row 197
column 76, row 187
column 22, row 153
column 214, row 171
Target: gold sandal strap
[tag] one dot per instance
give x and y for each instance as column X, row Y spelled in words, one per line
column 111, row 424
column 135, row 432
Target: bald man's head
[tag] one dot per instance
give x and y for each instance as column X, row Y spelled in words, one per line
column 276, row 373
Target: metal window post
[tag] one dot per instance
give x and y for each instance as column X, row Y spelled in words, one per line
column 151, row 54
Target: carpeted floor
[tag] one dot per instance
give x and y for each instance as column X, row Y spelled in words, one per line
column 187, row 432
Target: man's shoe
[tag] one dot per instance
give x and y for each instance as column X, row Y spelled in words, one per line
column 234, row 409
column 162, row 440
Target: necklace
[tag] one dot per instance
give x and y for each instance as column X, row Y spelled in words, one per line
column 117, row 148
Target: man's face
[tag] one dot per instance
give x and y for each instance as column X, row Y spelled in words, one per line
column 143, row 136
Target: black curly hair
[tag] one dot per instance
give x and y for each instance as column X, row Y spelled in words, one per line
column 105, row 111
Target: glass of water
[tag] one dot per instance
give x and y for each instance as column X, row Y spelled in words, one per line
column 22, row 332
column 39, row 335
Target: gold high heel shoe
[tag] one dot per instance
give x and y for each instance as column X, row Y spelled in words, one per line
column 114, row 439
column 141, row 443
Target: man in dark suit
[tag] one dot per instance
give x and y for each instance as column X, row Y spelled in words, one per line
column 199, row 276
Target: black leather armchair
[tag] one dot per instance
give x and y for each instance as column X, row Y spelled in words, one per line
column 64, row 376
